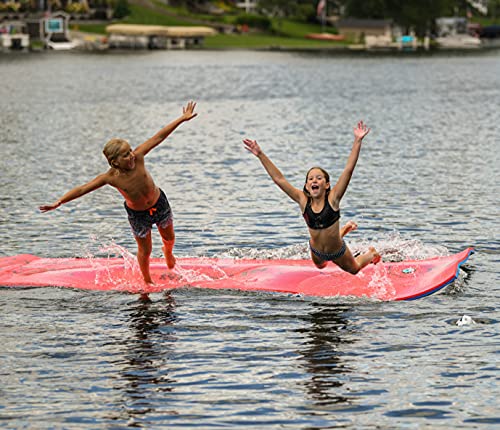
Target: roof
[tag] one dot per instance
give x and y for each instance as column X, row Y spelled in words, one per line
column 159, row 30
column 362, row 23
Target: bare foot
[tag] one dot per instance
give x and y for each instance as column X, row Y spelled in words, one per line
column 376, row 256
column 348, row 227
column 169, row 257
column 170, row 261
column 148, row 281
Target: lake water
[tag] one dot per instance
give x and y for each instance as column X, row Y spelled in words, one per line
column 427, row 183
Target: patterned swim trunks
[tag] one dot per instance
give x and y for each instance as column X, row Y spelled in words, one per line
column 142, row 221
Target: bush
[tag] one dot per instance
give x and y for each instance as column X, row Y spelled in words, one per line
column 122, row 9
column 306, row 13
column 256, row 21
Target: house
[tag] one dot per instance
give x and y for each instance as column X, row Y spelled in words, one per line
column 451, row 26
column 357, row 29
column 51, row 28
column 14, row 36
column 248, row 6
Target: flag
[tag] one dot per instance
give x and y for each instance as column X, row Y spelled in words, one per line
column 321, row 7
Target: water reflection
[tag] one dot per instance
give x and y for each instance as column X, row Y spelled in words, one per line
column 322, row 354
column 146, row 358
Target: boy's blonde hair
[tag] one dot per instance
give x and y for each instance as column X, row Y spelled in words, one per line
column 112, row 149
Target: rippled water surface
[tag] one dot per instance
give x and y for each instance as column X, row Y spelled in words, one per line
column 427, row 183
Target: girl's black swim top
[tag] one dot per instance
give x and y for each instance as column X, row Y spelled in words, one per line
column 324, row 219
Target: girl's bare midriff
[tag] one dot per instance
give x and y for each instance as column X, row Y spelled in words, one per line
column 327, row 240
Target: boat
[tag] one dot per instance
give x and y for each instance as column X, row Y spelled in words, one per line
column 458, row 41
column 326, row 36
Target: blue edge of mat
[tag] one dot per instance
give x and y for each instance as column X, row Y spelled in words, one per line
column 428, row 293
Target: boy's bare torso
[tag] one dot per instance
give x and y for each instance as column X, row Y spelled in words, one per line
column 136, row 185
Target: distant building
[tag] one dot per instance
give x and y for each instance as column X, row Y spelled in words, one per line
column 14, row 35
column 357, row 29
column 135, row 36
column 50, row 28
column 451, row 26
column 248, row 6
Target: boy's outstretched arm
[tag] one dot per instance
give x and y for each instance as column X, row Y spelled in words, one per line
column 360, row 131
column 187, row 114
column 76, row 192
column 279, row 179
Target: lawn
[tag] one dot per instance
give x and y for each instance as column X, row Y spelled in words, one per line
column 284, row 34
column 263, row 41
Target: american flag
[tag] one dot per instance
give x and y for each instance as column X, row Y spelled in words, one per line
column 321, row 7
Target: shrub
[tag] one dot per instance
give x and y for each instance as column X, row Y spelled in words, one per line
column 256, row 21
column 122, row 9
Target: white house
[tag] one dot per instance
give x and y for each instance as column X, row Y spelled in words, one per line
column 248, row 6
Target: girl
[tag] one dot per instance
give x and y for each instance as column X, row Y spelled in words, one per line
column 320, row 206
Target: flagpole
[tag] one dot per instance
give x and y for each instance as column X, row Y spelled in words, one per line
column 321, row 12
column 323, row 18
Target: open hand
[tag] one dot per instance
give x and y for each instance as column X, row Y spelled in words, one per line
column 46, row 208
column 252, row 146
column 361, row 131
column 188, row 111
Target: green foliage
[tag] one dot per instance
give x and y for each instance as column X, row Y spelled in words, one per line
column 265, row 41
column 494, row 10
column 367, row 9
column 278, row 8
column 306, row 13
column 417, row 14
column 255, row 21
column 290, row 28
column 143, row 15
column 90, row 28
column 122, row 9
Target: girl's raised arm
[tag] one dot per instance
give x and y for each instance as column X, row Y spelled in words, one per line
column 360, row 131
column 279, row 179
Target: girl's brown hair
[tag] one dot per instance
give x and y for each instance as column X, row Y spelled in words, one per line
column 325, row 174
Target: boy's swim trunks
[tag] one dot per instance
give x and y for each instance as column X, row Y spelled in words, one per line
column 142, row 221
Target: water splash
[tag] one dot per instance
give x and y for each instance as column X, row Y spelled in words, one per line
column 291, row 252
column 191, row 276
column 381, row 284
column 393, row 247
column 131, row 279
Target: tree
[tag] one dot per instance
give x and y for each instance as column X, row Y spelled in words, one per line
column 368, row 9
column 494, row 9
column 122, row 9
column 278, row 8
column 419, row 15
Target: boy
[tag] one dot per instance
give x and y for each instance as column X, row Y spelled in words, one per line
column 145, row 203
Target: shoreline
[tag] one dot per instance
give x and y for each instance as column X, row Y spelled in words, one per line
column 93, row 42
